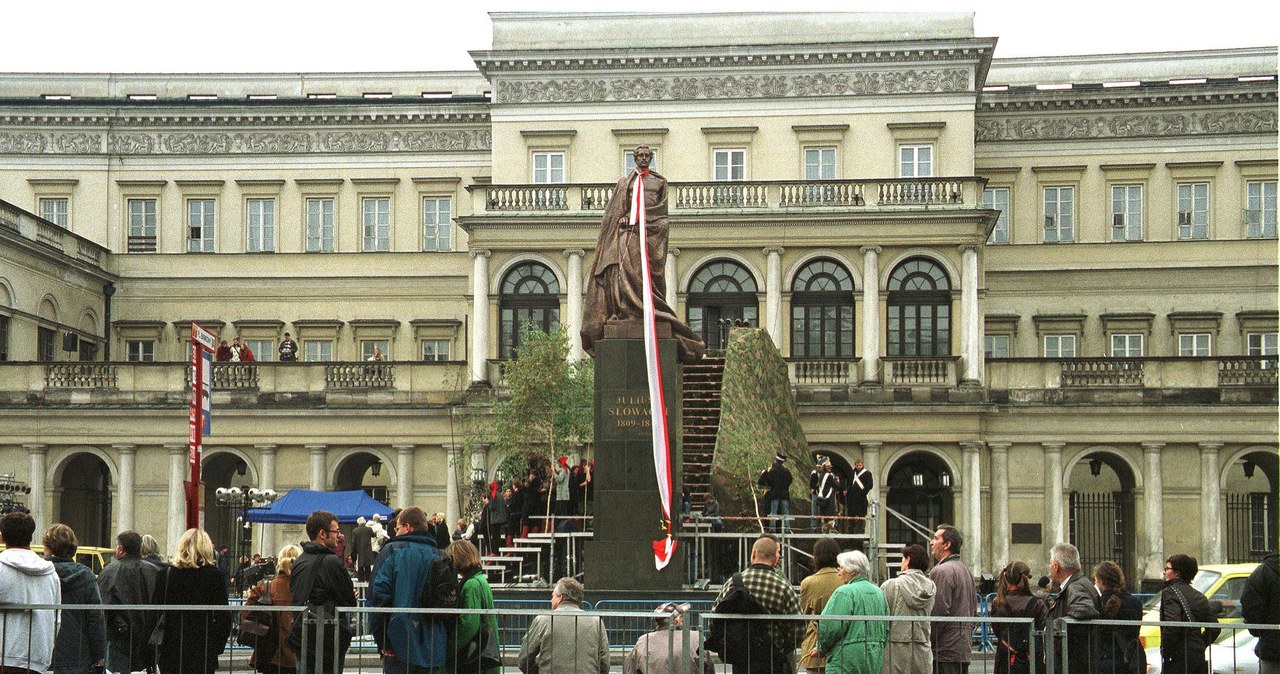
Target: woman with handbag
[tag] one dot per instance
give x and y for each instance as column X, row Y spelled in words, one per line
column 190, row 642
column 271, row 655
column 1013, row 640
column 1182, row 648
column 473, row 646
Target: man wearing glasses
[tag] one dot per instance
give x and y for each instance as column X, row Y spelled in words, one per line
column 320, row 582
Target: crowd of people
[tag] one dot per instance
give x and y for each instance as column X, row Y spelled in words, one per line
column 559, row 493
column 831, row 496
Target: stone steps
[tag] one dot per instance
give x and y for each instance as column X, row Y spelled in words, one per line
column 701, row 421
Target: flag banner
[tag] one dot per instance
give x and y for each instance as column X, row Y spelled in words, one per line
column 663, row 548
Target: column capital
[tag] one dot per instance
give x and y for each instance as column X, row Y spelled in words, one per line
column 266, row 449
column 125, row 448
column 673, row 251
column 774, row 250
column 870, row 445
column 575, row 252
column 404, row 449
column 1152, row 447
column 1208, row 447
column 870, row 249
column 999, row 446
column 317, row 449
column 36, row 448
column 971, row 446
column 967, row 248
column 480, row 252
column 1053, row 446
column 175, row 448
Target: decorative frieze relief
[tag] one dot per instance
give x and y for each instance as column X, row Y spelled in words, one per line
column 581, row 90
column 264, row 142
column 1068, row 127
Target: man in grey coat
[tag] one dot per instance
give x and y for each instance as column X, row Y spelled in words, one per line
column 569, row 641
column 1075, row 597
column 956, row 596
column 128, row 580
column 361, row 551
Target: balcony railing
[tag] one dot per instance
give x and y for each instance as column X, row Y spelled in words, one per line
column 360, row 376
column 40, row 230
column 894, row 193
column 1247, row 371
column 920, row 371
column 1098, row 372
column 80, row 375
column 823, row 372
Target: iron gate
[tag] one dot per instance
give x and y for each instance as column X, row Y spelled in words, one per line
column 1101, row 528
column 1251, row 526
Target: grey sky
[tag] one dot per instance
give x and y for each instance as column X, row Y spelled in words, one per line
column 340, row 35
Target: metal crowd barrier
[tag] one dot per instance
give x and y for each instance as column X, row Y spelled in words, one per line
column 626, row 624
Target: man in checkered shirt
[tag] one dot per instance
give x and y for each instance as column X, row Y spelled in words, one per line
column 775, row 595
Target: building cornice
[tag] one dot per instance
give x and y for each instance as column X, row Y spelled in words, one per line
column 35, row 141
column 1170, row 121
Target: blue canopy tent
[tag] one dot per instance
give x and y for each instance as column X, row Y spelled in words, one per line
column 295, row 506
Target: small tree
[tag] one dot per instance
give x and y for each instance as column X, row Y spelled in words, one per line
column 547, row 408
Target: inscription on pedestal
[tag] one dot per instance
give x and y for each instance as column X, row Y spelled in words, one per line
column 626, row 414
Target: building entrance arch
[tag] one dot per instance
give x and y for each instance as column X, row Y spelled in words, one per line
column 366, row 471
column 1249, row 482
column 918, row 487
column 85, row 499
column 1100, row 512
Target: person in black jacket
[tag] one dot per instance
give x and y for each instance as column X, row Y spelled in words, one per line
column 1117, row 604
column 1182, row 648
column 1260, row 603
column 191, row 641
column 129, row 580
column 320, row 582
column 82, row 641
column 777, row 481
column 515, row 512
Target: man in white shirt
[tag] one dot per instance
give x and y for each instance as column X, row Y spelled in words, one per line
column 26, row 578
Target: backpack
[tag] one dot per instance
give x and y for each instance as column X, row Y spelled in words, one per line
column 441, row 588
column 1131, row 658
column 742, row 642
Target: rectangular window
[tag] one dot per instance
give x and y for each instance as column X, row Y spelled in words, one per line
column 437, row 225
column 1262, row 343
column 142, row 225
column 317, row 350
column 548, row 167
column 200, row 213
column 1126, row 345
column 1193, row 211
column 4, row 338
column 915, row 161
column 1126, row 212
column 56, row 210
column 997, row 199
column 435, row 349
column 1260, row 209
column 1194, row 344
column 996, row 346
column 262, row 225
column 46, row 344
column 140, row 350
column 1059, row 214
column 263, row 349
column 729, row 165
column 820, row 163
column 629, row 161
column 377, row 224
column 320, row 225
column 1059, row 346
column 368, row 346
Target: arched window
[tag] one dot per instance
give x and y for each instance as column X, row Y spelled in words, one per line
column 822, row 311
column 529, row 294
column 919, row 310
column 721, row 292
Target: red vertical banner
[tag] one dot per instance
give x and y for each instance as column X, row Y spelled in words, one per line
column 202, row 344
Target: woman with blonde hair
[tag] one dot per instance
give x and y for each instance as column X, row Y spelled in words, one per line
column 191, row 641
column 1014, row 600
column 271, row 654
column 466, row 643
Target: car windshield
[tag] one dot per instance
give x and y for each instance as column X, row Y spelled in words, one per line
column 1205, row 580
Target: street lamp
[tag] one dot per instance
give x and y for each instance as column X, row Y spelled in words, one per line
column 10, row 488
column 238, row 500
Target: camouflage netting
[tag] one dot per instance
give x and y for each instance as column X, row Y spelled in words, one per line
column 757, row 419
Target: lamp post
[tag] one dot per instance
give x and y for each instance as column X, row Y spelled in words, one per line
column 238, row 500
column 10, row 488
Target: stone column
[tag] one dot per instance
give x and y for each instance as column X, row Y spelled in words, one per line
column 177, row 497
column 1053, row 510
column 38, row 461
column 999, row 501
column 479, row 315
column 1153, row 507
column 871, row 461
column 318, row 454
column 451, row 486
column 970, row 323
column 972, row 468
column 773, row 294
column 404, row 475
column 127, row 454
column 267, row 480
column 673, row 281
column 870, row 314
column 1210, row 504
column 573, row 304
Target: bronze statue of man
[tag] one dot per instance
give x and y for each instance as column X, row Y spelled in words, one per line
column 615, row 291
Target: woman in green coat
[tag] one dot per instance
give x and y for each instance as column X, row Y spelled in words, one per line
column 474, row 593
column 853, row 647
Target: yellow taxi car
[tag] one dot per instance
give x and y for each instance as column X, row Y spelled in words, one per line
column 1219, row 582
column 94, row 558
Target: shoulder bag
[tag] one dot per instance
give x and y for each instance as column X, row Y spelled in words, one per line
column 257, row 624
column 481, row 653
column 157, row 634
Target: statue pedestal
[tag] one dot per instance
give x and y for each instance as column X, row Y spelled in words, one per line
column 627, row 511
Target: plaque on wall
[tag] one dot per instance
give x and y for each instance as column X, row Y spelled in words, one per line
column 1028, row 533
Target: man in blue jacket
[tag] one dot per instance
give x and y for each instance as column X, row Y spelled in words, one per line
column 410, row 643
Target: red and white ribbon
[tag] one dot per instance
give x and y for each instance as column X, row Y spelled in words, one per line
column 663, row 548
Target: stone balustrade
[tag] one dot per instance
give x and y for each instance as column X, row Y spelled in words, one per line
column 823, row 371
column 42, row 231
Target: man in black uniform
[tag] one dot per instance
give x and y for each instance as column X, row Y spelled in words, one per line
column 856, row 498
column 777, row 481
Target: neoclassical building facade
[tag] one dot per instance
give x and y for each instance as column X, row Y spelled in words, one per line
column 1037, row 297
